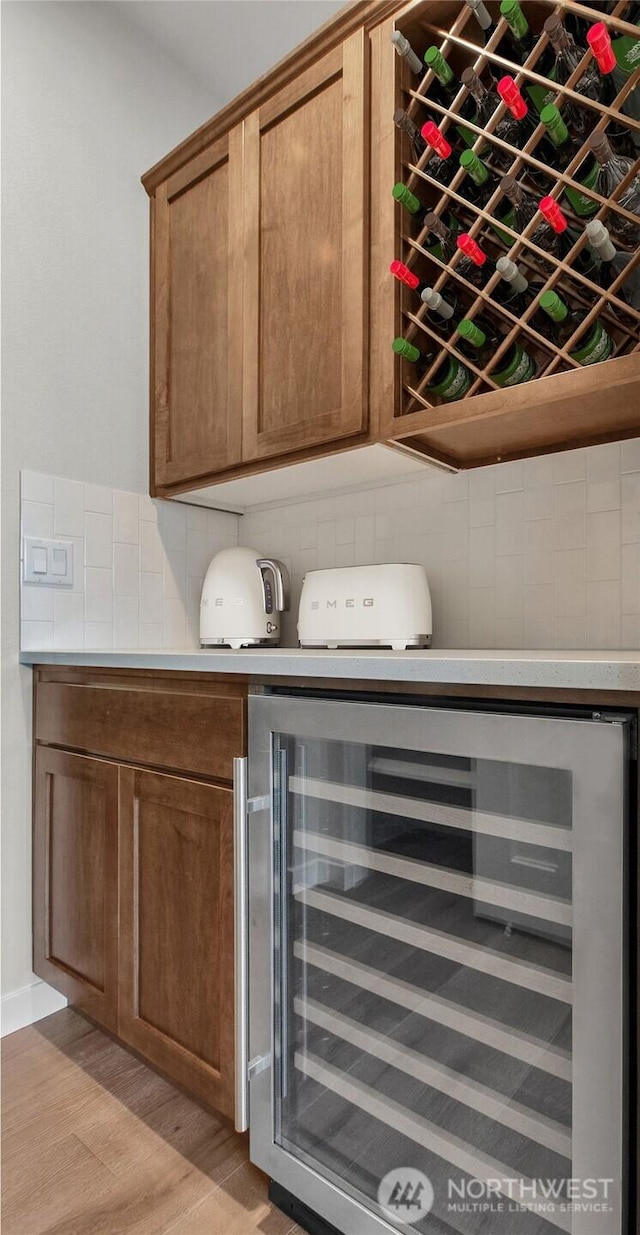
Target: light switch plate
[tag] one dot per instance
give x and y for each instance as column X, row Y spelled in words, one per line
column 47, row 562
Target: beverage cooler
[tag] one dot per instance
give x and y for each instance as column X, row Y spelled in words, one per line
column 433, row 1005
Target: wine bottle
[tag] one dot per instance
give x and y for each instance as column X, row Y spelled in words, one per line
column 519, row 291
column 613, row 78
column 479, row 336
column 525, row 127
column 485, row 103
column 626, row 49
column 441, row 166
column 612, row 262
column 473, row 265
column 451, row 379
column 579, row 120
column 446, row 87
column 562, row 323
column 419, row 213
column 483, row 18
column 612, row 170
column 440, row 321
column 551, row 234
column 404, row 122
column 523, row 40
column 479, row 186
column 441, row 308
column 558, row 238
column 566, row 148
column 406, row 52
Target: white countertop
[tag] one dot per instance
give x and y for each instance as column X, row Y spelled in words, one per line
column 572, row 670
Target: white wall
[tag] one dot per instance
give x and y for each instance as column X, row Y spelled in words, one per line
column 88, row 105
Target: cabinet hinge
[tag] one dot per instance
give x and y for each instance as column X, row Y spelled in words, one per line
column 258, row 1064
column 255, row 804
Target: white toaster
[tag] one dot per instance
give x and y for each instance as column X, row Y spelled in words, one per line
column 365, row 606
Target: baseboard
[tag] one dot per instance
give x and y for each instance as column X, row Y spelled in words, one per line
column 31, row 1003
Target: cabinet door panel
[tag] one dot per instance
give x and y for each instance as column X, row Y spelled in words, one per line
column 176, row 1004
column 305, row 267
column 76, row 880
column 198, row 309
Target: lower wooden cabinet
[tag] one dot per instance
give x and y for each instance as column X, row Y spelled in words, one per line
column 75, row 880
column 176, row 929
column 133, row 866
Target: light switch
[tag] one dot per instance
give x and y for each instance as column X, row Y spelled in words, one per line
column 48, row 562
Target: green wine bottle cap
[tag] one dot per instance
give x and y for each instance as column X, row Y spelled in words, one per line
column 515, row 18
column 472, row 333
column 406, row 198
column 553, row 306
column 402, row 347
column 474, row 166
column 434, row 60
column 554, row 124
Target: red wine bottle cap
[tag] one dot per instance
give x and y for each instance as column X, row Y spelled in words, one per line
column 599, row 41
column 471, row 249
column 509, row 92
column 549, row 207
column 436, row 139
column 403, row 274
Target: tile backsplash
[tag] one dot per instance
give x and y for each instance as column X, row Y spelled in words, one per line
column 543, row 553
column 138, row 567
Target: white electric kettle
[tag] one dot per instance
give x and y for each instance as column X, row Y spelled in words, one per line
column 242, row 596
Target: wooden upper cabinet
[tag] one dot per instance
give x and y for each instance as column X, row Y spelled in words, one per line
column 75, row 880
column 197, row 316
column 306, row 177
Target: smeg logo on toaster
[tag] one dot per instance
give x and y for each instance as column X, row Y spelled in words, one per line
column 350, row 603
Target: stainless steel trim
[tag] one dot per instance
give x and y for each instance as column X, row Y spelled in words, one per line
column 416, row 641
column 268, row 641
column 241, row 952
column 280, row 574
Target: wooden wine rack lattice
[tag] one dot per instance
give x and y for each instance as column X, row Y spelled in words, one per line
column 621, row 321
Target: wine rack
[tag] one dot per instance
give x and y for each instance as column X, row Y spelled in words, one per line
column 453, row 27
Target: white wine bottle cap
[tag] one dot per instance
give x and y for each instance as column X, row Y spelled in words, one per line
column 599, row 240
column 481, row 12
column 437, row 303
column 404, row 49
column 509, row 271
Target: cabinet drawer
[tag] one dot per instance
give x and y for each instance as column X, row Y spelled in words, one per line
column 198, row 732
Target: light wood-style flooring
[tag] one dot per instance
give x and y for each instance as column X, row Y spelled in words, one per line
column 95, row 1143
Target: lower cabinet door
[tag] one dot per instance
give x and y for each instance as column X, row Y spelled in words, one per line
column 75, row 880
column 176, row 930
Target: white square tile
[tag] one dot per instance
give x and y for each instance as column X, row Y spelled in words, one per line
column 175, row 575
column 509, row 477
column 569, row 465
column 603, row 614
column 510, row 632
column 631, row 632
column 482, row 482
column 456, row 487
column 36, row 487
column 630, row 455
column 148, row 510
column 150, row 635
column 603, row 462
column 538, row 551
column 68, row 625
column 36, row 636
column 125, row 622
column 482, row 617
column 98, row 636
column 326, row 542
column 603, row 545
column 509, row 522
column 345, row 531
column 151, row 548
column 364, row 541
column 198, row 552
column 151, row 598
column 345, row 555
column 174, row 626
column 307, row 536
column 570, row 582
column 455, row 530
column 78, row 559
column 630, row 501
column 538, row 502
column 173, row 526
column 457, row 634
column 37, row 519
column 98, row 598
column 631, row 579
column 482, row 556
column 509, row 587
column 570, row 504
column 196, row 519
column 603, row 495
column 538, row 472
column 538, row 631
column 68, row 506
column 125, row 570
column 125, row 517
column 99, row 499
column 98, row 539
column 36, row 603
column 482, row 511
column 571, row 632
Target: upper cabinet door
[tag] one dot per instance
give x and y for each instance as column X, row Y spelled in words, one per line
column 197, row 326
column 305, row 178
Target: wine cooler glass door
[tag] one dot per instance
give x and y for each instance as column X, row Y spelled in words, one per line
column 437, row 967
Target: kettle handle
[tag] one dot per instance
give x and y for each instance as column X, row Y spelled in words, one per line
column 280, row 582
